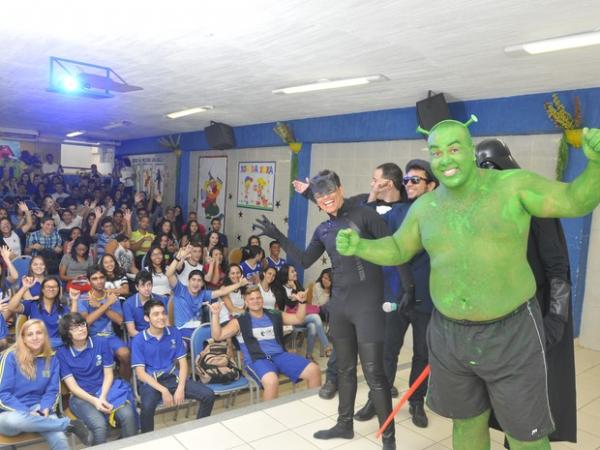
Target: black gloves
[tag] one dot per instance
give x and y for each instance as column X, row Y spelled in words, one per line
column 267, row 228
column 558, row 312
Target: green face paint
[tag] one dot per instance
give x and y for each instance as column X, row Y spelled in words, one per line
column 452, row 154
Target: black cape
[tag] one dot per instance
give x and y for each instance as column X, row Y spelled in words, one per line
column 548, row 257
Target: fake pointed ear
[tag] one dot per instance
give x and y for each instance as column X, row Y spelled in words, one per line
column 422, row 131
column 472, row 119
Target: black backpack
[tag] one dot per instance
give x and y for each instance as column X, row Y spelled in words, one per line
column 214, row 365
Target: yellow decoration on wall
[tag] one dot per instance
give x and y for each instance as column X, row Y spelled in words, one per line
column 295, row 146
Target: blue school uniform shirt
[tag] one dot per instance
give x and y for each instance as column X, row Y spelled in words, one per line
column 133, row 310
column 263, row 331
column 19, row 393
column 3, row 327
column 276, row 265
column 103, row 325
column 249, row 271
column 34, row 290
column 86, row 366
column 34, row 309
column 157, row 355
column 187, row 306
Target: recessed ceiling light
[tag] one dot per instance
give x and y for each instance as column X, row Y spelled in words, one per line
column 330, row 84
column 187, row 112
column 73, row 134
column 556, row 44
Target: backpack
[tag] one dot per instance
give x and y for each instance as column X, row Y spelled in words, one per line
column 214, row 365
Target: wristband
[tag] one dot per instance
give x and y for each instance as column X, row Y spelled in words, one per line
column 177, row 259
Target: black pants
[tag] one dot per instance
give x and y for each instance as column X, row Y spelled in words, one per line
column 356, row 327
column 396, row 324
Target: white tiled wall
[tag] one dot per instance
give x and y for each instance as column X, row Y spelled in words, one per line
column 590, row 331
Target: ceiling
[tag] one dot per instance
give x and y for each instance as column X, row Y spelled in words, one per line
column 231, row 54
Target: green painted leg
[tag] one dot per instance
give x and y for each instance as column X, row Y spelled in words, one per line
column 471, row 434
column 540, row 444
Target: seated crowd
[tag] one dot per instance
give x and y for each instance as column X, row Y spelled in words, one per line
column 99, row 280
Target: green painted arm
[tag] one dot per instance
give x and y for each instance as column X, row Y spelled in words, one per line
column 388, row 251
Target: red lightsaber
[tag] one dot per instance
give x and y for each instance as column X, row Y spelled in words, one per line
column 403, row 400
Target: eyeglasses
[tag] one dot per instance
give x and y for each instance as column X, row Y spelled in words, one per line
column 78, row 326
column 415, row 179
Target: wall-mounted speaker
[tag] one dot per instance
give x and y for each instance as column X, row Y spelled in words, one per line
column 219, row 136
column 432, row 110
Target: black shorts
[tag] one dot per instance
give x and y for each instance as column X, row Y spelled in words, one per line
column 499, row 365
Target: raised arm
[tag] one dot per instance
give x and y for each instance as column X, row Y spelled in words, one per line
column 304, row 258
column 546, row 198
column 218, row 332
column 388, row 251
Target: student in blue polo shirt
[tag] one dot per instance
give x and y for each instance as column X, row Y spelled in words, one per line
column 29, row 389
column 133, row 308
column 189, row 300
column 155, row 352
column 102, row 309
column 260, row 334
column 274, row 260
column 3, row 328
column 86, row 367
column 47, row 308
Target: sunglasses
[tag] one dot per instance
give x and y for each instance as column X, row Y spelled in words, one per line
column 415, row 179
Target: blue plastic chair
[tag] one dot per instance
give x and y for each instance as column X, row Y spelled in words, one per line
column 229, row 390
column 22, row 263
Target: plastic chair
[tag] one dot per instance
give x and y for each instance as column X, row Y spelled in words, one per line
column 229, row 390
column 21, row 264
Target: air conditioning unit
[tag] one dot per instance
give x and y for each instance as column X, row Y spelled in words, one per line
column 19, row 134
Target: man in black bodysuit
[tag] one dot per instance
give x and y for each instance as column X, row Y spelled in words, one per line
column 357, row 320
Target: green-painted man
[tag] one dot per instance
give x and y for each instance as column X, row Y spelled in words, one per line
column 486, row 338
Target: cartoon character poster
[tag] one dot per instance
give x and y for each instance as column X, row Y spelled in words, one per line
column 212, row 180
column 150, row 173
column 256, row 185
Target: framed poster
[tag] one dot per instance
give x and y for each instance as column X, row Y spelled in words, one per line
column 150, row 173
column 256, row 185
column 212, row 186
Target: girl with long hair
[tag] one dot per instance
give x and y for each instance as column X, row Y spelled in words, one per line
column 116, row 278
column 215, row 268
column 29, row 389
column 162, row 284
column 267, row 278
column 74, row 265
column 48, row 308
column 286, row 289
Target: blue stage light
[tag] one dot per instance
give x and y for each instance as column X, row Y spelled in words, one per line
column 70, row 83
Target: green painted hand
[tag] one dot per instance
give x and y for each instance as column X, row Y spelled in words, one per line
column 346, row 242
column 591, row 143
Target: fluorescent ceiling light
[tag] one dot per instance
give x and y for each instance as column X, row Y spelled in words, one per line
column 330, row 84
column 187, row 112
column 557, row 43
column 73, row 134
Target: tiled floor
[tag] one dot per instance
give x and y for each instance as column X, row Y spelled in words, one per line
column 290, row 425
column 289, row 422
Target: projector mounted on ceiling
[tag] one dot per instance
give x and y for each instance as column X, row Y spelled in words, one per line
column 84, row 79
